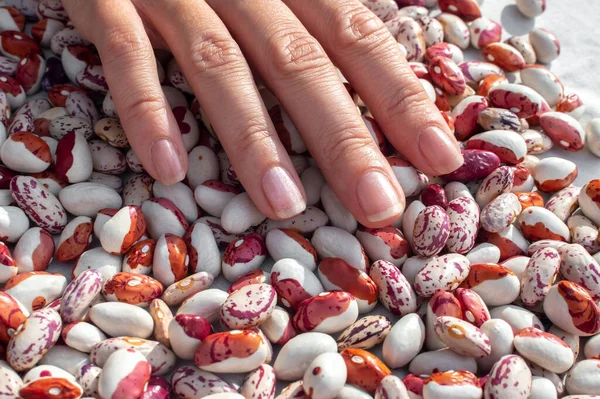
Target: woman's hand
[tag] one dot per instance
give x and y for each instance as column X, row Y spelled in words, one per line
column 293, row 46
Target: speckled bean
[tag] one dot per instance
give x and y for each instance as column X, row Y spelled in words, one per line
column 450, row 270
column 395, row 291
column 578, row 266
column 192, row 383
column 431, row 231
column 37, row 335
column 584, row 232
column 137, row 189
column 509, row 378
column 79, row 294
column 500, row 213
column 410, row 35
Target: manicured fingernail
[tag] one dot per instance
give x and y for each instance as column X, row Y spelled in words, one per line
column 282, row 193
column 378, row 198
column 440, row 151
column 166, row 161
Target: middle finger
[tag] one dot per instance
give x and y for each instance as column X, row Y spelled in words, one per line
column 296, row 68
column 214, row 66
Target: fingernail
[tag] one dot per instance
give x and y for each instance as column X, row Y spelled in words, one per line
column 378, row 198
column 282, row 193
column 166, row 161
column 441, row 152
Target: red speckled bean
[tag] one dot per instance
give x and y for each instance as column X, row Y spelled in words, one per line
column 431, row 231
column 445, row 272
column 539, row 275
column 484, row 32
column 578, row 266
column 500, row 213
column 521, row 100
column 395, row 292
column 510, row 378
column 39, row 333
column 249, row 306
column 190, row 382
column 260, row 383
column 79, row 295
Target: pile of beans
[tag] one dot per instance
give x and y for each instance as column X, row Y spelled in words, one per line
column 491, row 278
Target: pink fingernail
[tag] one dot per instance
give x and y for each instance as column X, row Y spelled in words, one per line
column 282, row 193
column 166, row 161
column 378, row 198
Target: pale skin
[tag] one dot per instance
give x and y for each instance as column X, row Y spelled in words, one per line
column 293, row 46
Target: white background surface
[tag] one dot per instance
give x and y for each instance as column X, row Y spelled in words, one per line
column 575, row 23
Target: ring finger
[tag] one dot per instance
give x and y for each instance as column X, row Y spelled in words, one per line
column 369, row 57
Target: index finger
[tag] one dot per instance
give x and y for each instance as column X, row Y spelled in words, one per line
column 130, row 69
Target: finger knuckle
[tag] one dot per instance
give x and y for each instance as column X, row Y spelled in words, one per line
column 213, row 53
column 254, row 137
column 356, row 27
column 125, row 45
column 292, row 52
column 346, row 142
column 405, row 98
column 146, row 103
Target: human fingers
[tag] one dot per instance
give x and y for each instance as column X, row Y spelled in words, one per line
column 130, row 69
column 222, row 81
column 296, row 68
column 369, row 57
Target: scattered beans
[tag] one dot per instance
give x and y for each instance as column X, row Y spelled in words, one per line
column 485, row 235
